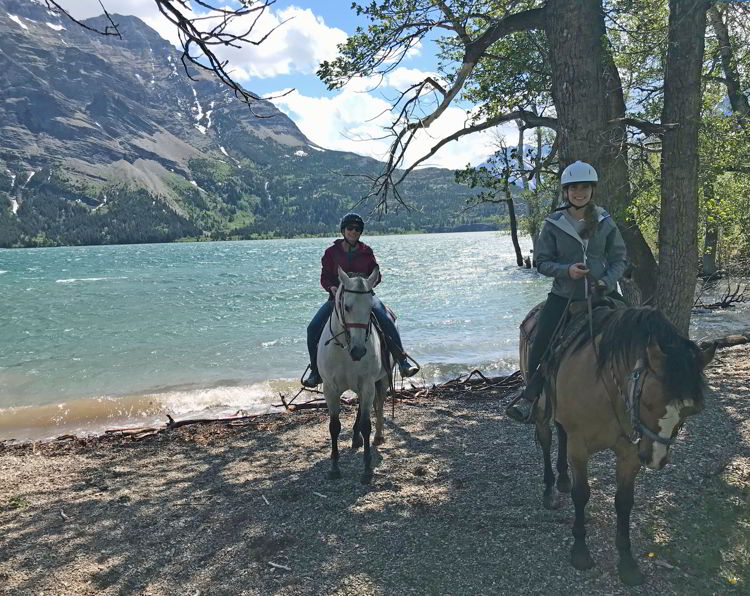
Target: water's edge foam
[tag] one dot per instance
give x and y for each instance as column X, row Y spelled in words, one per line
column 94, row 416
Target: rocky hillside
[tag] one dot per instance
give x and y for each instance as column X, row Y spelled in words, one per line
column 108, row 140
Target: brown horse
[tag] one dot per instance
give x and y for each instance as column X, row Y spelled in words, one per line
column 630, row 390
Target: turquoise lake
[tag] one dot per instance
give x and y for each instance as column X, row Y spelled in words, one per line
column 95, row 337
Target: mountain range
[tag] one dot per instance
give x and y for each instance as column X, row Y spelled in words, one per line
column 107, row 140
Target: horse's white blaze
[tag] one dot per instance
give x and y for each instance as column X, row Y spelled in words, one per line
column 667, row 424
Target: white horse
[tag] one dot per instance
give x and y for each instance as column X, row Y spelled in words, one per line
column 350, row 358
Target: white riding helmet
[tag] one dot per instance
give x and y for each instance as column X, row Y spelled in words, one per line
column 579, row 171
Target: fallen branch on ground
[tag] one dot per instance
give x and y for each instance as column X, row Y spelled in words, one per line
column 728, row 300
column 475, row 385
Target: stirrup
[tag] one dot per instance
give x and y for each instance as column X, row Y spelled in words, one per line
column 312, row 380
column 406, row 369
column 521, row 411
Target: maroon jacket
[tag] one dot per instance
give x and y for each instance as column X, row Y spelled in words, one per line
column 361, row 260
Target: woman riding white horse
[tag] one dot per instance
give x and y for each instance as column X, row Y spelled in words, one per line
column 353, row 256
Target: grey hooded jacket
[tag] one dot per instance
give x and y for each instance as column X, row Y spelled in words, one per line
column 559, row 246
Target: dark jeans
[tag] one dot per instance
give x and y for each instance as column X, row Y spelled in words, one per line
column 315, row 330
column 551, row 314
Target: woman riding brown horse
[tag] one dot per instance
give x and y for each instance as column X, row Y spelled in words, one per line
column 629, row 390
column 581, row 248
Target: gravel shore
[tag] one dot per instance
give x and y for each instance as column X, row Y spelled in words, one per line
column 454, row 508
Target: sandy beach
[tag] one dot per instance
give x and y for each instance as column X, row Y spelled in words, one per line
column 454, row 508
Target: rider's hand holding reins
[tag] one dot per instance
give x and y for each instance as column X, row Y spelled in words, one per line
column 577, row 271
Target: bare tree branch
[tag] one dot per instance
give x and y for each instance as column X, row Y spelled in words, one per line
column 198, row 41
column 737, row 98
column 542, row 167
column 111, row 29
column 529, row 118
column 645, row 126
column 407, row 123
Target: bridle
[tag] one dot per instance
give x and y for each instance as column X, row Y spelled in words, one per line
column 632, row 398
column 338, row 310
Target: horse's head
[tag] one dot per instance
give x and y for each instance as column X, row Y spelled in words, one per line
column 354, row 305
column 670, row 385
column 660, row 374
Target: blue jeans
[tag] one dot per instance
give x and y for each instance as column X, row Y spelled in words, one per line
column 315, row 330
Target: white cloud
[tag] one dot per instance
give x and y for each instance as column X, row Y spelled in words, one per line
column 298, row 42
column 355, row 121
column 401, row 78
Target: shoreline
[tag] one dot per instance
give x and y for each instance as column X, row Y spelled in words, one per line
column 473, row 381
column 242, row 415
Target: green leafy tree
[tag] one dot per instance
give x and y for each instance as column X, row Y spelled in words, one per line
column 615, row 76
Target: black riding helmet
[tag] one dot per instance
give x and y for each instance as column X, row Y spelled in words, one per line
column 352, row 219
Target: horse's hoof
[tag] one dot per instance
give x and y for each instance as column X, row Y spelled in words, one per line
column 357, row 442
column 366, row 477
column 378, row 441
column 630, row 575
column 334, row 475
column 580, row 558
column 550, row 500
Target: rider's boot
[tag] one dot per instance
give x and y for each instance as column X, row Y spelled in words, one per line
column 406, row 369
column 313, row 379
column 521, row 408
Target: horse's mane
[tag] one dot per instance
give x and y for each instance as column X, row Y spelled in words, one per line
column 628, row 331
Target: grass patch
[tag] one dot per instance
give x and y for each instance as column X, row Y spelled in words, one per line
column 18, row 502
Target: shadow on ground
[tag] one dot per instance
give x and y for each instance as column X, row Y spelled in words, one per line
column 454, row 508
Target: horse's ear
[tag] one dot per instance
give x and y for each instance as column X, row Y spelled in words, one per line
column 655, row 356
column 343, row 277
column 372, row 280
column 709, row 352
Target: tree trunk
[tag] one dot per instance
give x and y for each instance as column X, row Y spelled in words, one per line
column 511, row 207
column 678, row 225
column 711, row 239
column 639, row 286
column 512, row 216
column 533, row 206
column 514, row 231
column 737, row 99
column 575, row 30
column 588, row 97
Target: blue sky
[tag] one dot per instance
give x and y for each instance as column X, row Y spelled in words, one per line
column 350, row 119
